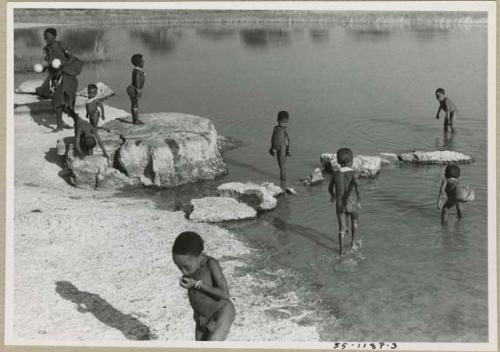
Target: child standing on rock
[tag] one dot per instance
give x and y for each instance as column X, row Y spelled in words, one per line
column 280, row 144
column 343, row 181
column 134, row 90
column 207, row 288
column 93, row 106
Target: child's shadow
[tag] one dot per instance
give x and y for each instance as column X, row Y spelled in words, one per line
column 88, row 302
column 52, row 157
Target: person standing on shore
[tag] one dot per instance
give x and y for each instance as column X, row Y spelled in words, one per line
column 134, row 90
column 280, row 145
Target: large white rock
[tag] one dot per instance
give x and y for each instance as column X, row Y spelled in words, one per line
column 170, row 149
column 315, row 178
column 219, row 209
column 262, row 197
column 365, row 166
column 93, row 172
column 437, row 157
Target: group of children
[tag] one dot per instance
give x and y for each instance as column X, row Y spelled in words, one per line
column 61, row 86
column 202, row 277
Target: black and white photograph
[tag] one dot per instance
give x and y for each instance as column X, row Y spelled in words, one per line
column 251, row 174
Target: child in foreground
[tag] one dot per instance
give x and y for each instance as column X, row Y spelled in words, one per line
column 134, row 90
column 455, row 191
column 94, row 107
column 86, row 136
column 343, row 181
column 280, row 143
column 448, row 107
column 207, row 288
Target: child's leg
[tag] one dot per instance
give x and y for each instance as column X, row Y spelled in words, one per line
column 342, row 220
column 281, row 156
column 446, row 123
column 459, row 211
column 225, row 319
column 354, row 226
column 199, row 334
column 94, row 120
column 452, row 121
column 444, row 215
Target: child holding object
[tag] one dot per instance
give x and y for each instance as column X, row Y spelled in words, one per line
column 207, row 288
column 134, row 90
column 94, row 107
column 343, row 181
column 280, row 143
column 448, row 107
column 455, row 192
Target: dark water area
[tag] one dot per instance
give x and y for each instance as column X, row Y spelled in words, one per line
column 367, row 87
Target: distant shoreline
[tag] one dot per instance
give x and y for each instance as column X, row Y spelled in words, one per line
column 27, row 17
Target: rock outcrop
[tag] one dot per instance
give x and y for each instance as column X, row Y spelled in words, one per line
column 439, row 157
column 228, row 143
column 219, row 209
column 315, row 178
column 170, row 149
column 261, row 197
column 365, row 166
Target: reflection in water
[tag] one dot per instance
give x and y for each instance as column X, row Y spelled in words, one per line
column 261, row 37
column 319, row 35
column 161, row 40
column 215, row 33
column 86, row 41
column 362, row 31
column 448, row 143
column 31, row 37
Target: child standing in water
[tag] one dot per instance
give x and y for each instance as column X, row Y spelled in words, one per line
column 448, row 107
column 455, row 191
column 94, row 107
column 280, row 144
column 134, row 90
column 207, row 288
column 343, row 181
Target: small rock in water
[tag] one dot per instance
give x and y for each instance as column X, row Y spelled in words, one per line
column 315, row 178
column 290, row 190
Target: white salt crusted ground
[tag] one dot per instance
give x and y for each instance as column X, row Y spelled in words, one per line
column 91, row 266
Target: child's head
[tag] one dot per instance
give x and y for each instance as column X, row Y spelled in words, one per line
column 440, row 94
column 137, row 60
column 92, row 90
column 90, row 142
column 344, row 156
column 186, row 252
column 452, row 171
column 49, row 35
column 283, row 118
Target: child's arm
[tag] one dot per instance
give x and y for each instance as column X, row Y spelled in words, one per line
column 271, row 150
column 287, row 145
column 77, row 139
column 439, row 110
column 138, row 81
column 99, row 103
column 220, row 290
column 331, row 188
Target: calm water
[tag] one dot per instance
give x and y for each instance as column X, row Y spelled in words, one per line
column 368, row 88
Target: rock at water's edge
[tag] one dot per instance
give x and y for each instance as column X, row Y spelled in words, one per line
column 315, row 178
column 261, row 197
column 365, row 166
column 219, row 209
column 439, row 157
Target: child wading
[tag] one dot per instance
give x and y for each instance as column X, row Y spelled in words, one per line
column 343, row 181
column 455, row 191
column 448, row 107
column 94, row 107
column 280, row 144
column 134, row 90
column 207, row 288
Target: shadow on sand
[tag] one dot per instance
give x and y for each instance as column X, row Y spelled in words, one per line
column 92, row 303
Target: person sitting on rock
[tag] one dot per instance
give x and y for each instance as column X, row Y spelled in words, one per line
column 134, row 90
column 455, row 191
column 343, row 181
column 280, row 143
column 94, row 107
column 86, row 136
column 207, row 288
column 448, row 107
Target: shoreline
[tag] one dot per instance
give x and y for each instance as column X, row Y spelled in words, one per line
column 77, row 279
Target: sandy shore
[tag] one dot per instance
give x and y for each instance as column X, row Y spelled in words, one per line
column 96, row 266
